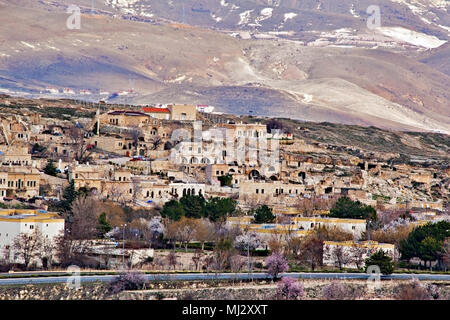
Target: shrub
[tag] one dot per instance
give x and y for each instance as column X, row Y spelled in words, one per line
column 127, row 281
column 414, row 290
column 159, row 296
column 334, row 291
column 289, row 289
column 186, row 296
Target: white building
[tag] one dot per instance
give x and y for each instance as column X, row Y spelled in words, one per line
column 68, row 91
column 112, row 256
column 14, row 222
column 52, row 90
column 351, row 253
column 355, row 226
column 205, row 108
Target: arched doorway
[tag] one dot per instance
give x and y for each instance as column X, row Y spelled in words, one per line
column 254, row 174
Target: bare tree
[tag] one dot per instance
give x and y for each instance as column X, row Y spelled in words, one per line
column 340, row 256
column 237, row 262
column 222, row 252
column 70, row 250
column 312, row 251
column 79, row 144
column 446, row 252
column 137, row 189
column 6, row 255
column 83, row 218
column 27, row 246
column 47, row 251
column 172, row 259
column 294, row 245
column 182, row 230
column 357, row 255
column 204, row 231
column 196, row 258
column 291, row 240
column 208, row 261
column 135, row 133
column 160, row 262
column 275, row 244
column 306, row 206
column 116, row 193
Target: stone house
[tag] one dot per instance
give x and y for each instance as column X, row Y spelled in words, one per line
column 19, row 181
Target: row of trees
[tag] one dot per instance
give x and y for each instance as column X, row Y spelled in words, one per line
column 193, row 206
column 347, row 208
column 214, row 209
column 429, row 242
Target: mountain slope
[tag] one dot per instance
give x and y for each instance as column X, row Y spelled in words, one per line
column 395, row 86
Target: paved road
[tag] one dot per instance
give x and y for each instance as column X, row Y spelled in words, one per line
column 221, row 276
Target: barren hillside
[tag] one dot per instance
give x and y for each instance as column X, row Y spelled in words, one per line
column 337, row 71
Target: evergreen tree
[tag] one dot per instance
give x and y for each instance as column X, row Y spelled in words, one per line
column 264, row 215
column 194, row 206
column 50, row 168
column 426, row 242
column 226, row 180
column 94, row 129
column 173, row 210
column 69, row 195
column 103, row 226
column 381, row 259
column 218, row 208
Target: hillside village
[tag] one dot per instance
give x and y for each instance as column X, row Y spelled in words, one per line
column 142, row 173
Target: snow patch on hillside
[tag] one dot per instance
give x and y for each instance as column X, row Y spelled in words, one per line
column 267, row 12
column 216, row 18
column 289, row 15
column 353, row 12
column 27, row 45
column 307, row 98
column 412, row 37
column 244, row 17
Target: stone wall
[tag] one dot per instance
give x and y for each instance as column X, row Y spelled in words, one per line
column 265, row 290
column 55, row 292
column 197, row 290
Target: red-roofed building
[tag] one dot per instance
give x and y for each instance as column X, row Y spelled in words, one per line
column 158, row 113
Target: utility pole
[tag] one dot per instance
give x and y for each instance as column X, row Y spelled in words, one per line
column 123, row 247
column 248, row 257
